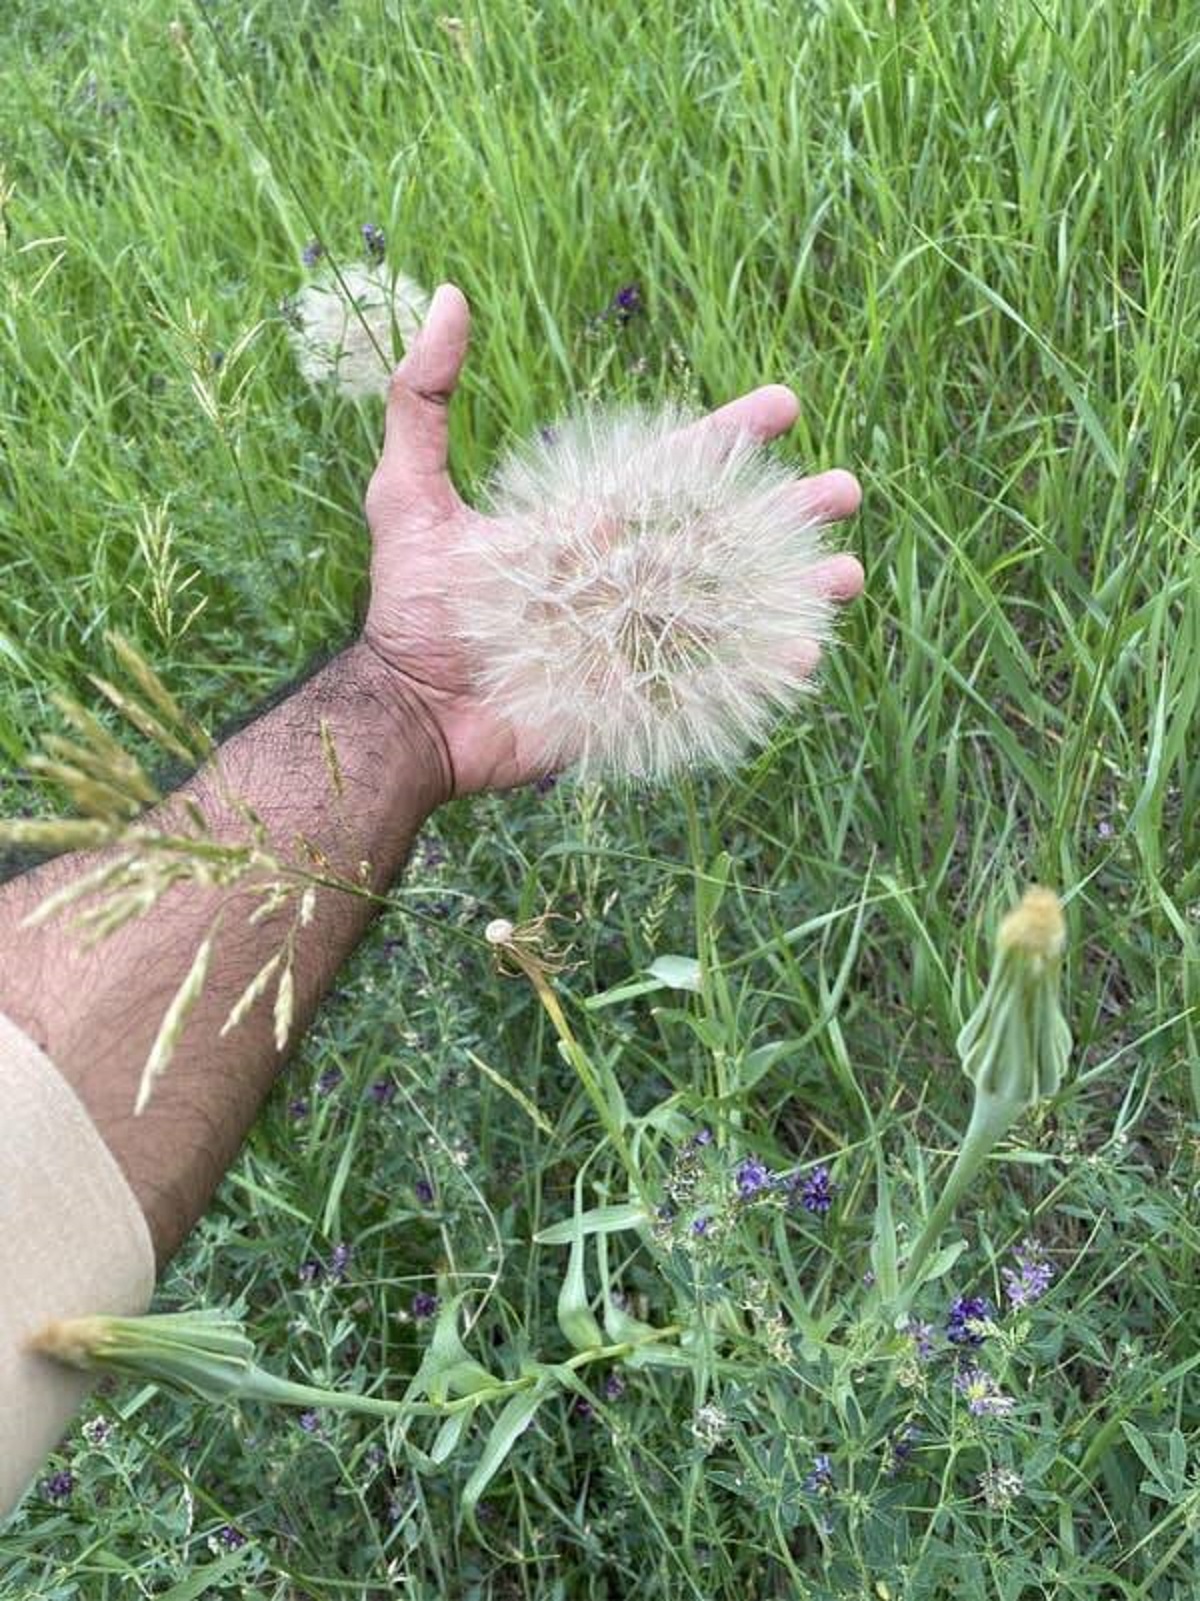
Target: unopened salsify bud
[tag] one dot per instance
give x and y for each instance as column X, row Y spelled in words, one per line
column 1016, row 1044
column 1014, row 1048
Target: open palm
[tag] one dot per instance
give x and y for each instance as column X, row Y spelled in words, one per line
column 426, row 541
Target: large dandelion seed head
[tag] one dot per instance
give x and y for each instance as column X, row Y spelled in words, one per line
column 647, row 594
column 349, row 333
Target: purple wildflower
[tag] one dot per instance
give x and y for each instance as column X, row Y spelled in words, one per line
column 752, row 1175
column 329, row 1080
column 816, row 1191
column 229, row 1538
column 1032, row 1276
column 626, row 303
column 374, row 241
column 424, row 1305
column 423, row 1190
column 819, row 1479
column 967, row 1319
column 922, row 1335
column 700, row 1226
column 702, row 1136
column 312, row 252
column 58, row 1486
column 310, row 1422
column 982, row 1394
column 545, row 783
column 382, row 1092
column 98, row 1431
column 583, row 1409
column 614, row 1387
column 298, row 1108
column 311, row 1272
column 339, row 1261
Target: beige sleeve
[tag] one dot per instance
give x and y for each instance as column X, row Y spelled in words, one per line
column 73, row 1240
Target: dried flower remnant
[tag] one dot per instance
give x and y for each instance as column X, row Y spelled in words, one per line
column 1000, row 1487
column 342, row 326
column 645, row 594
column 710, row 1426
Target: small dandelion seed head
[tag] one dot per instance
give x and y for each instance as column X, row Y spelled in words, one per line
column 645, row 593
column 341, row 329
column 499, row 931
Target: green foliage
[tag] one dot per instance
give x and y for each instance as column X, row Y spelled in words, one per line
column 966, row 235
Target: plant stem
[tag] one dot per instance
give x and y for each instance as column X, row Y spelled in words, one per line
column 991, row 1118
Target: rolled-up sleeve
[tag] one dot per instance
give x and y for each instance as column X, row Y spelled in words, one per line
column 73, row 1240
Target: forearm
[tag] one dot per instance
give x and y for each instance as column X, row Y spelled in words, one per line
column 96, row 1012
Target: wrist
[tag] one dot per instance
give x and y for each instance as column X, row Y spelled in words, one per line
column 414, row 726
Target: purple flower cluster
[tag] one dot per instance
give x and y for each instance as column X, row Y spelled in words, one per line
column 1031, row 1277
column 314, row 1270
column 423, row 1305
column 752, row 1176
column 312, row 252
column 374, row 241
column 967, row 1319
column 310, row 1422
column 229, row 1538
column 626, row 303
column 922, row 1335
column 423, row 1190
column 382, row 1092
column 819, row 1479
column 329, row 1080
column 982, row 1394
column 58, row 1486
column 816, row 1191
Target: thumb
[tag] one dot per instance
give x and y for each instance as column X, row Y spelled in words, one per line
column 416, row 430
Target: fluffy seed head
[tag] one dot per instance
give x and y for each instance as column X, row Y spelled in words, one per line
column 331, row 344
column 648, row 598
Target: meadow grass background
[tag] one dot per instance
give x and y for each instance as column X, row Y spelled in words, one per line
column 967, row 235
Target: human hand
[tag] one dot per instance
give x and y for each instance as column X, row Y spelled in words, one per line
column 425, row 537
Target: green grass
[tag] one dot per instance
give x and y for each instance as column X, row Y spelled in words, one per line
column 967, row 236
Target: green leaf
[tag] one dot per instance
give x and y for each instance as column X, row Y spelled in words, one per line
column 883, row 1245
column 448, row 1436
column 515, row 1417
column 676, row 972
column 575, row 1316
column 447, row 1367
column 942, row 1261
column 599, row 1220
column 201, row 1582
column 758, row 1063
